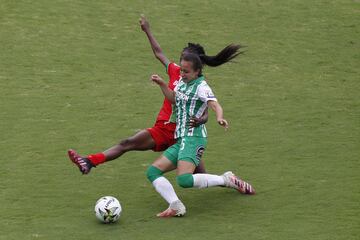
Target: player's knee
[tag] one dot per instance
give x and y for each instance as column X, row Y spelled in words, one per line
column 185, row 180
column 126, row 144
column 153, row 173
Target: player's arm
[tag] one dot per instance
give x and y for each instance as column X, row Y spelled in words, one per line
column 168, row 93
column 145, row 26
column 216, row 107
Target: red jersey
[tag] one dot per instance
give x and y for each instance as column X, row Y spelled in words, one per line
column 173, row 71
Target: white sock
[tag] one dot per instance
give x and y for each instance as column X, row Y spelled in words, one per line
column 166, row 190
column 207, row 180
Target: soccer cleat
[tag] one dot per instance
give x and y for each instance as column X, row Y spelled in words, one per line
column 83, row 164
column 232, row 181
column 176, row 209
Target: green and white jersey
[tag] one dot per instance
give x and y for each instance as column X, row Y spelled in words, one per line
column 191, row 101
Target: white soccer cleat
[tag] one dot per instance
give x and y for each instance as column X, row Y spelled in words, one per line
column 176, row 209
column 232, row 181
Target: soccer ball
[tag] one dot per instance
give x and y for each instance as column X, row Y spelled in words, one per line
column 108, row 209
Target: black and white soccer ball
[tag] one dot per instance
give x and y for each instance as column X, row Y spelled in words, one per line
column 108, row 209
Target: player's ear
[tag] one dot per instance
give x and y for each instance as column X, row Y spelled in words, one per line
column 198, row 72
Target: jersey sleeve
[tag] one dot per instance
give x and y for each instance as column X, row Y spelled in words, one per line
column 205, row 93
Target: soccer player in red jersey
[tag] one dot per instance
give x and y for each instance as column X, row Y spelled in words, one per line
column 161, row 135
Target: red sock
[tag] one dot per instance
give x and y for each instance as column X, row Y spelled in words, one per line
column 97, row 158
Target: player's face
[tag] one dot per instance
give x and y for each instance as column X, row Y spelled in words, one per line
column 187, row 72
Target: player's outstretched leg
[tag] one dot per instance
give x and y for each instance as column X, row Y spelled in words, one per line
column 83, row 164
column 140, row 141
column 232, row 181
column 176, row 209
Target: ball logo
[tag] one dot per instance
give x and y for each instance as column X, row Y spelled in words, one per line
column 108, row 203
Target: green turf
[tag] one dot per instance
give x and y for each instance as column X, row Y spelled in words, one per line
column 75, row 74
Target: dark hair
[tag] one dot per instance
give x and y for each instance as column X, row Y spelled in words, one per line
column 228, row 53
column 195, row 60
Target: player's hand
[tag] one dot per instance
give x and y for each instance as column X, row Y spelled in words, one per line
column 222, row 122
column 157, row 79
column 144, row 24
column 194, row 122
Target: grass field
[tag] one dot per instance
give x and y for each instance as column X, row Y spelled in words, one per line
column 74, row 74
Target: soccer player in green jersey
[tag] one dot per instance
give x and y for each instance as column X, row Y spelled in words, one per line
column 191, row 96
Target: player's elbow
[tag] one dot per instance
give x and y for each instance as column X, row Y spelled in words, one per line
column 158, row 53
column 213, row 105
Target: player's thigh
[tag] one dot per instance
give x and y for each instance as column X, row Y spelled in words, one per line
column 140, row 141
column 184, row 167
column 164, row 164
column 163, row 136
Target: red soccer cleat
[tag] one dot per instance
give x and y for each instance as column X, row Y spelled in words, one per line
column 83, row 164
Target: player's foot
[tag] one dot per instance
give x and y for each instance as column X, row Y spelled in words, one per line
column 176, row 209
column 233, row 181
column 83, row 164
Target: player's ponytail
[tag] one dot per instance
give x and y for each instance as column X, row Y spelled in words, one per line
column 228, row 53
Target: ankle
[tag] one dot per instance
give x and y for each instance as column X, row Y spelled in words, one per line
column 97, row 158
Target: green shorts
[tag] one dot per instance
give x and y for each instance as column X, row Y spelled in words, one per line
column 188, row 149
